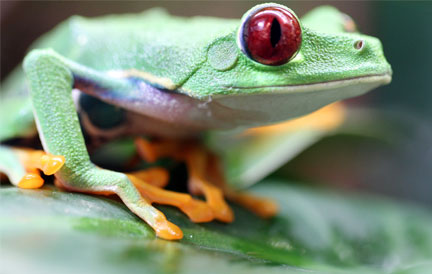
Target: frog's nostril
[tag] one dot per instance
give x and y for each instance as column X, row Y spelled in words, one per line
column 359, row 44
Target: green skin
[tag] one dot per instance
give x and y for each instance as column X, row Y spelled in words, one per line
column 216, row 86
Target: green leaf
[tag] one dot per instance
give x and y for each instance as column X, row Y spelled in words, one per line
column 47, row 231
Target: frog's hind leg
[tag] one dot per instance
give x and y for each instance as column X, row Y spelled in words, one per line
column 206, row 177
column 22, row 165
column 196, row 162
column 262, row 207
column 195, row 159
column 155, row 176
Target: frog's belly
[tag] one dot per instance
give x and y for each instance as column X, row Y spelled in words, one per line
column 103, row 121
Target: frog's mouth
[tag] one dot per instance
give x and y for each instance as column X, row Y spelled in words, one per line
column 385, row 78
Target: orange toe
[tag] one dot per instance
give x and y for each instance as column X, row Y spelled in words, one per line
column 223, row 213
column 216, row 201
column 266, row 208
column 146, row 150
column 50, row 164
column 197, row 211
column 31, row 180
column 155, row 176
column 166, row 230
column 262, row 207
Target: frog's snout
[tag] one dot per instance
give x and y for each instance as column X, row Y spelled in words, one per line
column 371, row 51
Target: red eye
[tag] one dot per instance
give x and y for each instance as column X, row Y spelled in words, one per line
column 271, row 36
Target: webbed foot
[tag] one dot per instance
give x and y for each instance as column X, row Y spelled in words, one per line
column 195, row 159
column 206, row 177
column 196, row 210
column 33, row 161
column 197, row 165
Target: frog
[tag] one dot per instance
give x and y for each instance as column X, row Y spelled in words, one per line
column 165, row 81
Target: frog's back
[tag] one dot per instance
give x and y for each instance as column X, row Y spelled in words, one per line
column 154, row 42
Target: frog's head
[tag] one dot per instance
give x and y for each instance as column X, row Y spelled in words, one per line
column 274, row 67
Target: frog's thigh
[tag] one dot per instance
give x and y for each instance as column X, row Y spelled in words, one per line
column 198, row 211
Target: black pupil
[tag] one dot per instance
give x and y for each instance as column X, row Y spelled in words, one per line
column 275, row 34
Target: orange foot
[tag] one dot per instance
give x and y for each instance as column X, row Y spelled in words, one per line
column 206, row 178
column 198, row 211
column 35, row 160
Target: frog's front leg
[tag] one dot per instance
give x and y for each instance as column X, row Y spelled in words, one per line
column 51, row 79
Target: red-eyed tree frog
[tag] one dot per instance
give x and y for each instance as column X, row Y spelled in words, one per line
column 171, row 79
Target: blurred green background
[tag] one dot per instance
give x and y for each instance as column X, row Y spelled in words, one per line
column 399, row 165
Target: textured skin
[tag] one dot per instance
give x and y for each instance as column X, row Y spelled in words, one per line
column 153, row 41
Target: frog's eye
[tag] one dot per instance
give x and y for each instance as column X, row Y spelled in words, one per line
column 270, row 35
